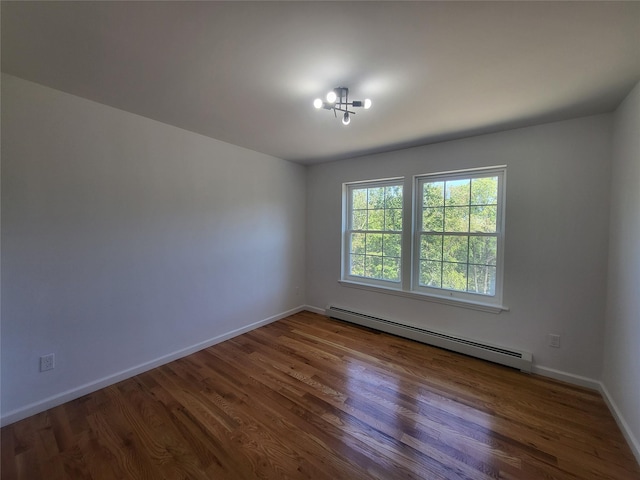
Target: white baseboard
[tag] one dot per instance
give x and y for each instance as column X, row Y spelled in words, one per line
column 566, row 377
column 633, row 442
column 310, row 308
column 72, row 394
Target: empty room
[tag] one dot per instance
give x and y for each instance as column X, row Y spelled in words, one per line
column 320, row 240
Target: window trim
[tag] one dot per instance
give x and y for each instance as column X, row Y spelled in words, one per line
column 410, row 255
column 418, row 180
column 347, row 208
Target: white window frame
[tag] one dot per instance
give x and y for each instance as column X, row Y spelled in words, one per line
column 419, row 181
column 408, row 286
column 347, row 231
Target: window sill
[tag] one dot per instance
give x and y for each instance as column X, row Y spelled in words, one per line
column 456, row 302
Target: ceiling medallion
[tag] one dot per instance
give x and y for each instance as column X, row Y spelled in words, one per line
column 338, row 101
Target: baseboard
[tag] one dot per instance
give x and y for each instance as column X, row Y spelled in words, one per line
column 318, row 310
column 633, row 442
column 566, row 377
column 72, row 394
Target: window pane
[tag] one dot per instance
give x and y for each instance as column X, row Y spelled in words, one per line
column 454, row 276
column 359, row 220
column 430, row 274
column 374, row 244
column 373, row 266
column 391, row 244
column 457, row 192
column 393, row 219
column 393, row 197
column 431, row 247
column 483, row 219
column 391, row 269
column 375, row 209
column 433, row 219
column 433, row 194
column 455, row 248
column 456, row 219
column 376, row 220
column 359, row 198
column 483, row 250
column 484, row 191
column 482, row 279
column 357, row 265
column 358, row 243
column 376, row 197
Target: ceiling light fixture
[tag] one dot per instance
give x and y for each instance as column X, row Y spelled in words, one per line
column 338, row 101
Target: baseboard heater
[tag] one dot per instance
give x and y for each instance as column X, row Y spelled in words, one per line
column 492, row 353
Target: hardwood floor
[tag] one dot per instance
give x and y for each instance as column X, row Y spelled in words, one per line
column 310, row 397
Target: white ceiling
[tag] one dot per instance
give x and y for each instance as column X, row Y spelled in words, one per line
column 248, row 72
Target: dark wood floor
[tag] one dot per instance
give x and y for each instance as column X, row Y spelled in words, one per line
column 309, row 397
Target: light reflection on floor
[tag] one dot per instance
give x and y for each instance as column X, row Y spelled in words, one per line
column 421, row 419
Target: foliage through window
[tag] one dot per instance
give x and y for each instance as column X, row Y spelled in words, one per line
column 375, row 231
column 459, row 233
column 456, row 236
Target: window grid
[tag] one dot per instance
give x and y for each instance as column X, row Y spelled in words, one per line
column 469, row 267
column 462, row 210
column 374, row 260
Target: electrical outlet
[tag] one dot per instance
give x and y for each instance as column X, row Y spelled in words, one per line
column 554, row 340
column 47, row 362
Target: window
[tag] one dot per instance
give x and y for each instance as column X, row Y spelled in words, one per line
column 373, row 237
column 459, row 233
column 456, row 236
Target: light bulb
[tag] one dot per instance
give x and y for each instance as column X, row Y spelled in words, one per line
column 346, row 120
column 331, row 97
column 317, row 103
column 367, row 103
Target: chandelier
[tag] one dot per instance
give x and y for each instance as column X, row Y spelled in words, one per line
column 338, row 101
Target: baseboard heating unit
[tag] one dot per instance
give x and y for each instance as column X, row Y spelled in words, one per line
column 492, row 353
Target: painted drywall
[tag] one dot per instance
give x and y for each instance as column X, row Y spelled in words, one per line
column 125, row 239
column 621, row 375
column 557, row 192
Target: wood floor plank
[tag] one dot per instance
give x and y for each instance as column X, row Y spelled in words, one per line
column 308, row 397
column 8, row 453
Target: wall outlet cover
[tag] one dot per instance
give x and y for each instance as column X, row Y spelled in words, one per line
column 47, row 362
column 554, row 340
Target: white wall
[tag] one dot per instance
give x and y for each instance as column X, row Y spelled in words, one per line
column 621, row 375
column 556, row 240
column 125, row 240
